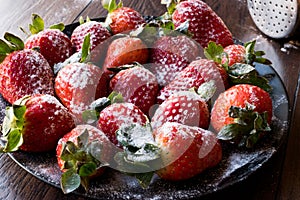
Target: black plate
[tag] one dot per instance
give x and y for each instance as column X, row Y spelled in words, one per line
column 236, row 165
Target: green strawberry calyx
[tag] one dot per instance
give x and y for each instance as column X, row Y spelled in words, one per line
column 238, row 73
column 10, row 44
column 12, row 126
column 141, row 155
column 244, row 73
column 111, row 5
column 216, row 52
column 248, row 127
column 38, row 25
column 91, row 115
column 82, row 160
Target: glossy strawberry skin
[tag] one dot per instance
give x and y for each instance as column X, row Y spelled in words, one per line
column 171, row 55
column 204, row 23
column 79, row 84
column 239, row 96
column 184, row 107
column 137, row 85
column 25, row 72
column 194, row 75
column 97, row 31
column 53, row 44
column 125, row 50
column 125, row 19
column 94, row 134
column 235, row 53
column 46, row 120
column 114, row 116
column 186, row 151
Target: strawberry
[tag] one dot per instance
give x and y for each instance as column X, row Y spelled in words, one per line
column 125, row 50
column 235, row 54
column 82, row 154
column 78, row 84
column 23, row 71
column 242, row 114
column 121, row 19
column 185, row 107
column 137, row 85
column 239, row 62
column 35, row 124
column 171, row 55
column 186, row 151
column 204, row 23
column 52, row 43
column 116, row 115
column 194, row 75
column 98, row 33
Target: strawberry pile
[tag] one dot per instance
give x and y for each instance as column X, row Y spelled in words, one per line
column 132, row 95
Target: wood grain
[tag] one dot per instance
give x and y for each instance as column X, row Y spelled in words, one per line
column 291, row 168
column 52, row 12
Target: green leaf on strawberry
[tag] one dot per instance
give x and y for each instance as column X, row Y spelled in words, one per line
column 92, row 115
column 12, row 126
column 140, row 155
column 59, row 26
column 248, row 126
column 81, row 161
column 16, row 42
column 214, row 52
column 37, row 24
column 245, row 73
column 70, row 181
column 255, row 56
column 111, row 5
column 10, row 44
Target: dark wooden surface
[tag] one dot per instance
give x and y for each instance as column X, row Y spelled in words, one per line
column 278, row 179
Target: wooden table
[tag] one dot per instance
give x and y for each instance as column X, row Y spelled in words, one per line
column 278, row 179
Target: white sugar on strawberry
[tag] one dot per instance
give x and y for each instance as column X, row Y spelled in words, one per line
column 137, row 85
column 185, row 107
column 24, row 68
column 79, row 84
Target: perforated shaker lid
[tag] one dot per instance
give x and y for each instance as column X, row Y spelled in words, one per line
column 275, row 18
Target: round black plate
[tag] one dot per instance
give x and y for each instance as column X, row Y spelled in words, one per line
column 235, row 166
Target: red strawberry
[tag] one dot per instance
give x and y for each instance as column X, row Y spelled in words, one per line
column 23, row 72
column 125, row 50
column 78, row 84
column 121, row 18
column 35, row 124
column 186, row 151
column 137, row 85
column 81, row 155
column 171, row 55
column 194, row 75
column 242, row 113
column 204, row 23
column 235, row 53
column 185, row 107
column 53, row 44
column 118, row 114
column 97, row 31
column 239, row 61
